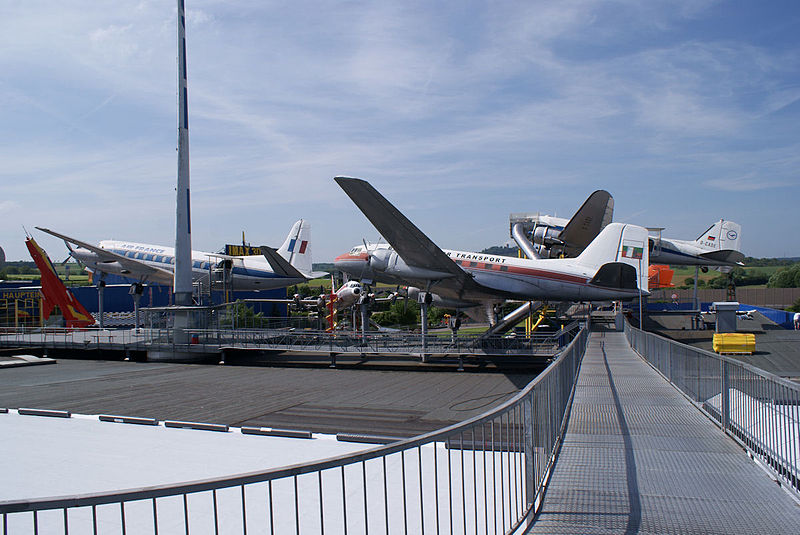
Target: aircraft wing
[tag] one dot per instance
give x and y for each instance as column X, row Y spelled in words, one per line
column 593, row 215
column 136, row 267
column 279, row 264
column 410, row 243
column 413, row 246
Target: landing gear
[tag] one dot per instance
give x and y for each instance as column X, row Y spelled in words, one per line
column 136, row 290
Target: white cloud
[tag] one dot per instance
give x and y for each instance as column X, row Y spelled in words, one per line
column 446, row 107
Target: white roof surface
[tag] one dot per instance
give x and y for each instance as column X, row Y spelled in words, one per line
column 45, row 456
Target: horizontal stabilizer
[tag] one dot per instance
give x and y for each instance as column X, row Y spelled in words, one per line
column 616, row 275
column 727, row 256
column 279, row 264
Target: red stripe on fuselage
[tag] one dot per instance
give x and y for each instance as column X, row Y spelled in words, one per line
column 351, row 257
column 518, row 270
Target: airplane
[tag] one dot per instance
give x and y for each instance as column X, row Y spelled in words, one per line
column 554, row 237
column 719, row 245
column 54, row 293
column 291, row 264
column 346, row 296
column 612, row 267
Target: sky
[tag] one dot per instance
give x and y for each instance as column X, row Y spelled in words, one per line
column 460, row 113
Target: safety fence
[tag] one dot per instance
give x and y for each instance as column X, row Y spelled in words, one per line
column 758, row 409
column 484, row 475
column 216, row 340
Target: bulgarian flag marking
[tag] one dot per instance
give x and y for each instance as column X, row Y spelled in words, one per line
column 632, row 250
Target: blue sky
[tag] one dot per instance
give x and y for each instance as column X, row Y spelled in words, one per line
column 687, row 111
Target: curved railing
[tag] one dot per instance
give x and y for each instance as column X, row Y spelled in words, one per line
column 758, row 409
column 483, row 475
column 342, row 342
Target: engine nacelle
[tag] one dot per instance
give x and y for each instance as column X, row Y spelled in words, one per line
column 379, row 259
column 546, row 236
column 438, row 301
column 398, row 267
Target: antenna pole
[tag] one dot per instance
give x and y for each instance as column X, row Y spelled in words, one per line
column 183, row 226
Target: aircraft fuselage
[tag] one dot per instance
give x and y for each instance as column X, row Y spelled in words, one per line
column 518, row 278
column 247, row 273
column 687, row 253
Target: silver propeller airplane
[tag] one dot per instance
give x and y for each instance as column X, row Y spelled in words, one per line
column 291, row 264
column 612, row 267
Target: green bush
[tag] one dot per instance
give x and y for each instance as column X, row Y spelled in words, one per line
column 785, row 278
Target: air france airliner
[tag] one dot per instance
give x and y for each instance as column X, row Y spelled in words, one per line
column 289, row 265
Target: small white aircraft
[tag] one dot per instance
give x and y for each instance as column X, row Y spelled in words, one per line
column 719, row 245
column 349, row 294
column 291, row 264
column 612, row 267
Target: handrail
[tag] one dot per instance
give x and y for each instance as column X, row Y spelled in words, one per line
column 759, row 410
column 556, row 384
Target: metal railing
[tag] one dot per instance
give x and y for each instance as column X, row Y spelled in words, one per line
column 484, row 475
column 759, row 410
column 214, row 340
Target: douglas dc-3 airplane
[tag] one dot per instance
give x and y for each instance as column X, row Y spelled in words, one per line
column 612, row 267
column 291, row 264
column 554, row 237
column 719, row 245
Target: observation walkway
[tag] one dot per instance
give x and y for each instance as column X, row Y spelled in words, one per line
column 638, row 457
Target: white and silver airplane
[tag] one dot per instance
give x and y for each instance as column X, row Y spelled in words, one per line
column 612, row 267
column 291, row 264
column 554, row 237
column 719, row 245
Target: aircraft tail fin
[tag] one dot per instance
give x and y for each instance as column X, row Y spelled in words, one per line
column 54, row 292
column 296, row 249
column 592, row 217
column 620, row 255
column 722, row 242
column 722, row 235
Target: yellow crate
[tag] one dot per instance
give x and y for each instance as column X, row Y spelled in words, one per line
column 742, row 343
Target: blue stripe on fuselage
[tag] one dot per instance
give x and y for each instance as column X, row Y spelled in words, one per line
column 166, row 261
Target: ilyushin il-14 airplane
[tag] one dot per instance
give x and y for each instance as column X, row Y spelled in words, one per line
column 612, row 267
column 291, row 264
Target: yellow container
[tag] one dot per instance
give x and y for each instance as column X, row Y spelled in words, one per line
column 742, row 343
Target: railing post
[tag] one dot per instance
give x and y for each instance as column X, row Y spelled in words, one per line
column 669, row 361
column 725, row 407
column 530, row 474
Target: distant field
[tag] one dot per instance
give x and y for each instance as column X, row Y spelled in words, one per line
column 684, row 272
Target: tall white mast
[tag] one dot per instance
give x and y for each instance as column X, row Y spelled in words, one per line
column 183, row 221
